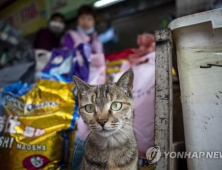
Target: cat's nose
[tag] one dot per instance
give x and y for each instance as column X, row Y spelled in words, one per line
column 102, row 121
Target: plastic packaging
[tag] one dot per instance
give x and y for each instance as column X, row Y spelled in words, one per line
column 36, row 126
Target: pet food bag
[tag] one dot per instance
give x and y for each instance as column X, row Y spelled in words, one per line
column 37, row 125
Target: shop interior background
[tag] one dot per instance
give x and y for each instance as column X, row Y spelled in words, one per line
column 128, row 17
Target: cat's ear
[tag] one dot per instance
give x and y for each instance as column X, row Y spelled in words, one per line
column 81, row 85
column 126, row 80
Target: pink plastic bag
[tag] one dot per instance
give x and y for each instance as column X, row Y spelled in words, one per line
column 144, row 96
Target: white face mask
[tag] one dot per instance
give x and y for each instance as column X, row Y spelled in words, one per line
column 56, row 27
column 89, row 31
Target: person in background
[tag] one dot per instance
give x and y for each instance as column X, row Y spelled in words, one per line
column 49, row 38
column 85, row 31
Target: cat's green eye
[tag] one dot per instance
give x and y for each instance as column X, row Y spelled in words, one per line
column 115, row 106
column 90, row 108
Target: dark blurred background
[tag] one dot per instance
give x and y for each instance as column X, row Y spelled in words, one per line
column 128, row 17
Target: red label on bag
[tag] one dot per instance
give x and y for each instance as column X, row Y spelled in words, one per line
column 119, row 55
column 35, row 162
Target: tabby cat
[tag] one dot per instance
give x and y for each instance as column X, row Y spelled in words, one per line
column 108, row 112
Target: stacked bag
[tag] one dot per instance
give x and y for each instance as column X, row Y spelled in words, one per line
column 37, row 125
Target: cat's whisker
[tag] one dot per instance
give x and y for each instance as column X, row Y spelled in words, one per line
column 86, row 136
column 92, row 125
column 138, row 132
column 116, row 125
column 134, row 124
column 89, row 136
column 73, row 157
column 124, row 133
column 127, row 135
column 79, row 137
column 138, row 118
column 79, row 143
column 85, row 133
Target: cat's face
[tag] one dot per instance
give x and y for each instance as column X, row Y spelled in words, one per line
column 106, row 108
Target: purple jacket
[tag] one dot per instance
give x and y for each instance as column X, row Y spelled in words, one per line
column 73, row 39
